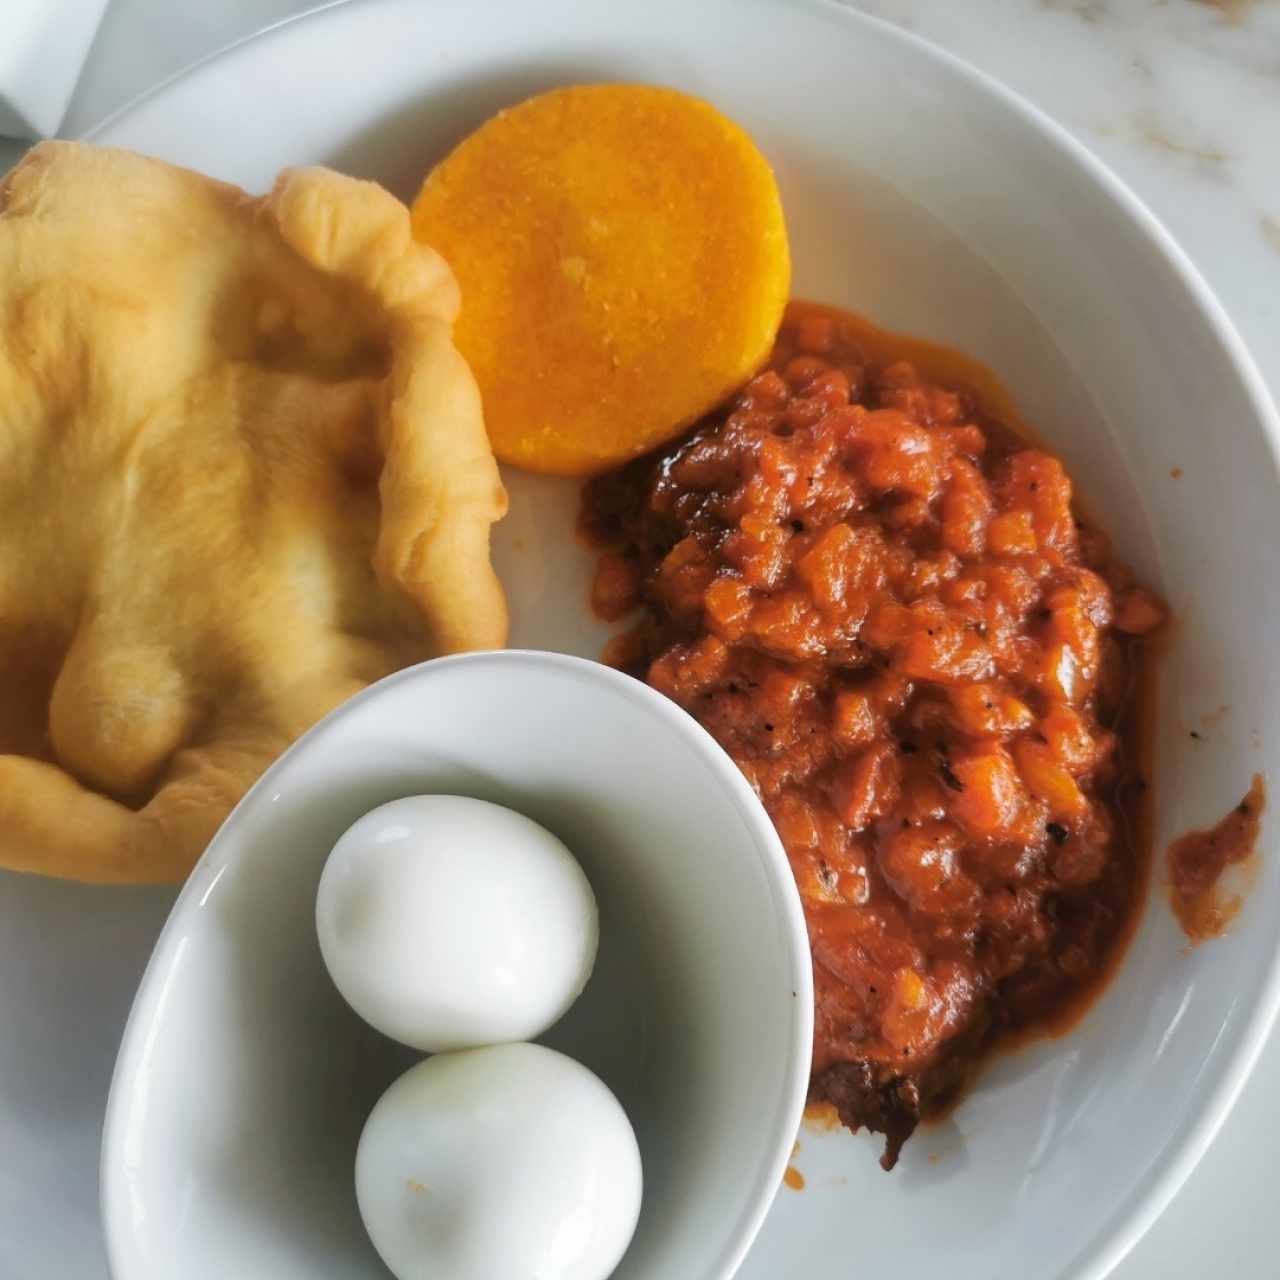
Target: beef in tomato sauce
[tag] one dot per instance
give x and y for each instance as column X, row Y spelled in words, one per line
column 882, row 603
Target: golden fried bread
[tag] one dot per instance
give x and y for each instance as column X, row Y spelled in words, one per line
column 243, row 473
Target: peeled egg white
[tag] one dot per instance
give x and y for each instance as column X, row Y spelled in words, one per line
column 507, row 1163
column 447, row 923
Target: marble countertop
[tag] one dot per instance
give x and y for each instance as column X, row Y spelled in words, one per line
column 1182, row 99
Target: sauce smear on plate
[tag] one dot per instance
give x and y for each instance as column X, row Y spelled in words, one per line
column 1198, row 859
column 881, row 601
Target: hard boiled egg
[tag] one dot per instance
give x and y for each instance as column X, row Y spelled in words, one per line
column 448, row 922
column 506, row 1163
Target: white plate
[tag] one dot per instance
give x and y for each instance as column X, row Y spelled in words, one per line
column 921, row 193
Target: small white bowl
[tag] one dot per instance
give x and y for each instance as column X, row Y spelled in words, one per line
column 244, row 1079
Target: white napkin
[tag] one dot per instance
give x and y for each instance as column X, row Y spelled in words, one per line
column 43, row 45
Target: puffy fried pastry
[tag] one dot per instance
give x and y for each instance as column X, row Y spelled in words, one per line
column 243, row 473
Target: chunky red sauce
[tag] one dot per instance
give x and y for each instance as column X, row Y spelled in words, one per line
column 1197, row 861
column 881, row 602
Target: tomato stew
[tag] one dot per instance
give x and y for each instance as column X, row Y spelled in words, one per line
column 881, row 602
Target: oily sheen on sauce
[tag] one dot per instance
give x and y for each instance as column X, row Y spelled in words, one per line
column 882, row 601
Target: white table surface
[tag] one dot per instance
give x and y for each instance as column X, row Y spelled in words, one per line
column 1182, row 99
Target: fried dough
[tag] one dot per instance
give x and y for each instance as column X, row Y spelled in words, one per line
column 243, row 473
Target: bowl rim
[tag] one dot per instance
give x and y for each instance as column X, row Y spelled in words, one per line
column 793, row 936
column 1131, row 1219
